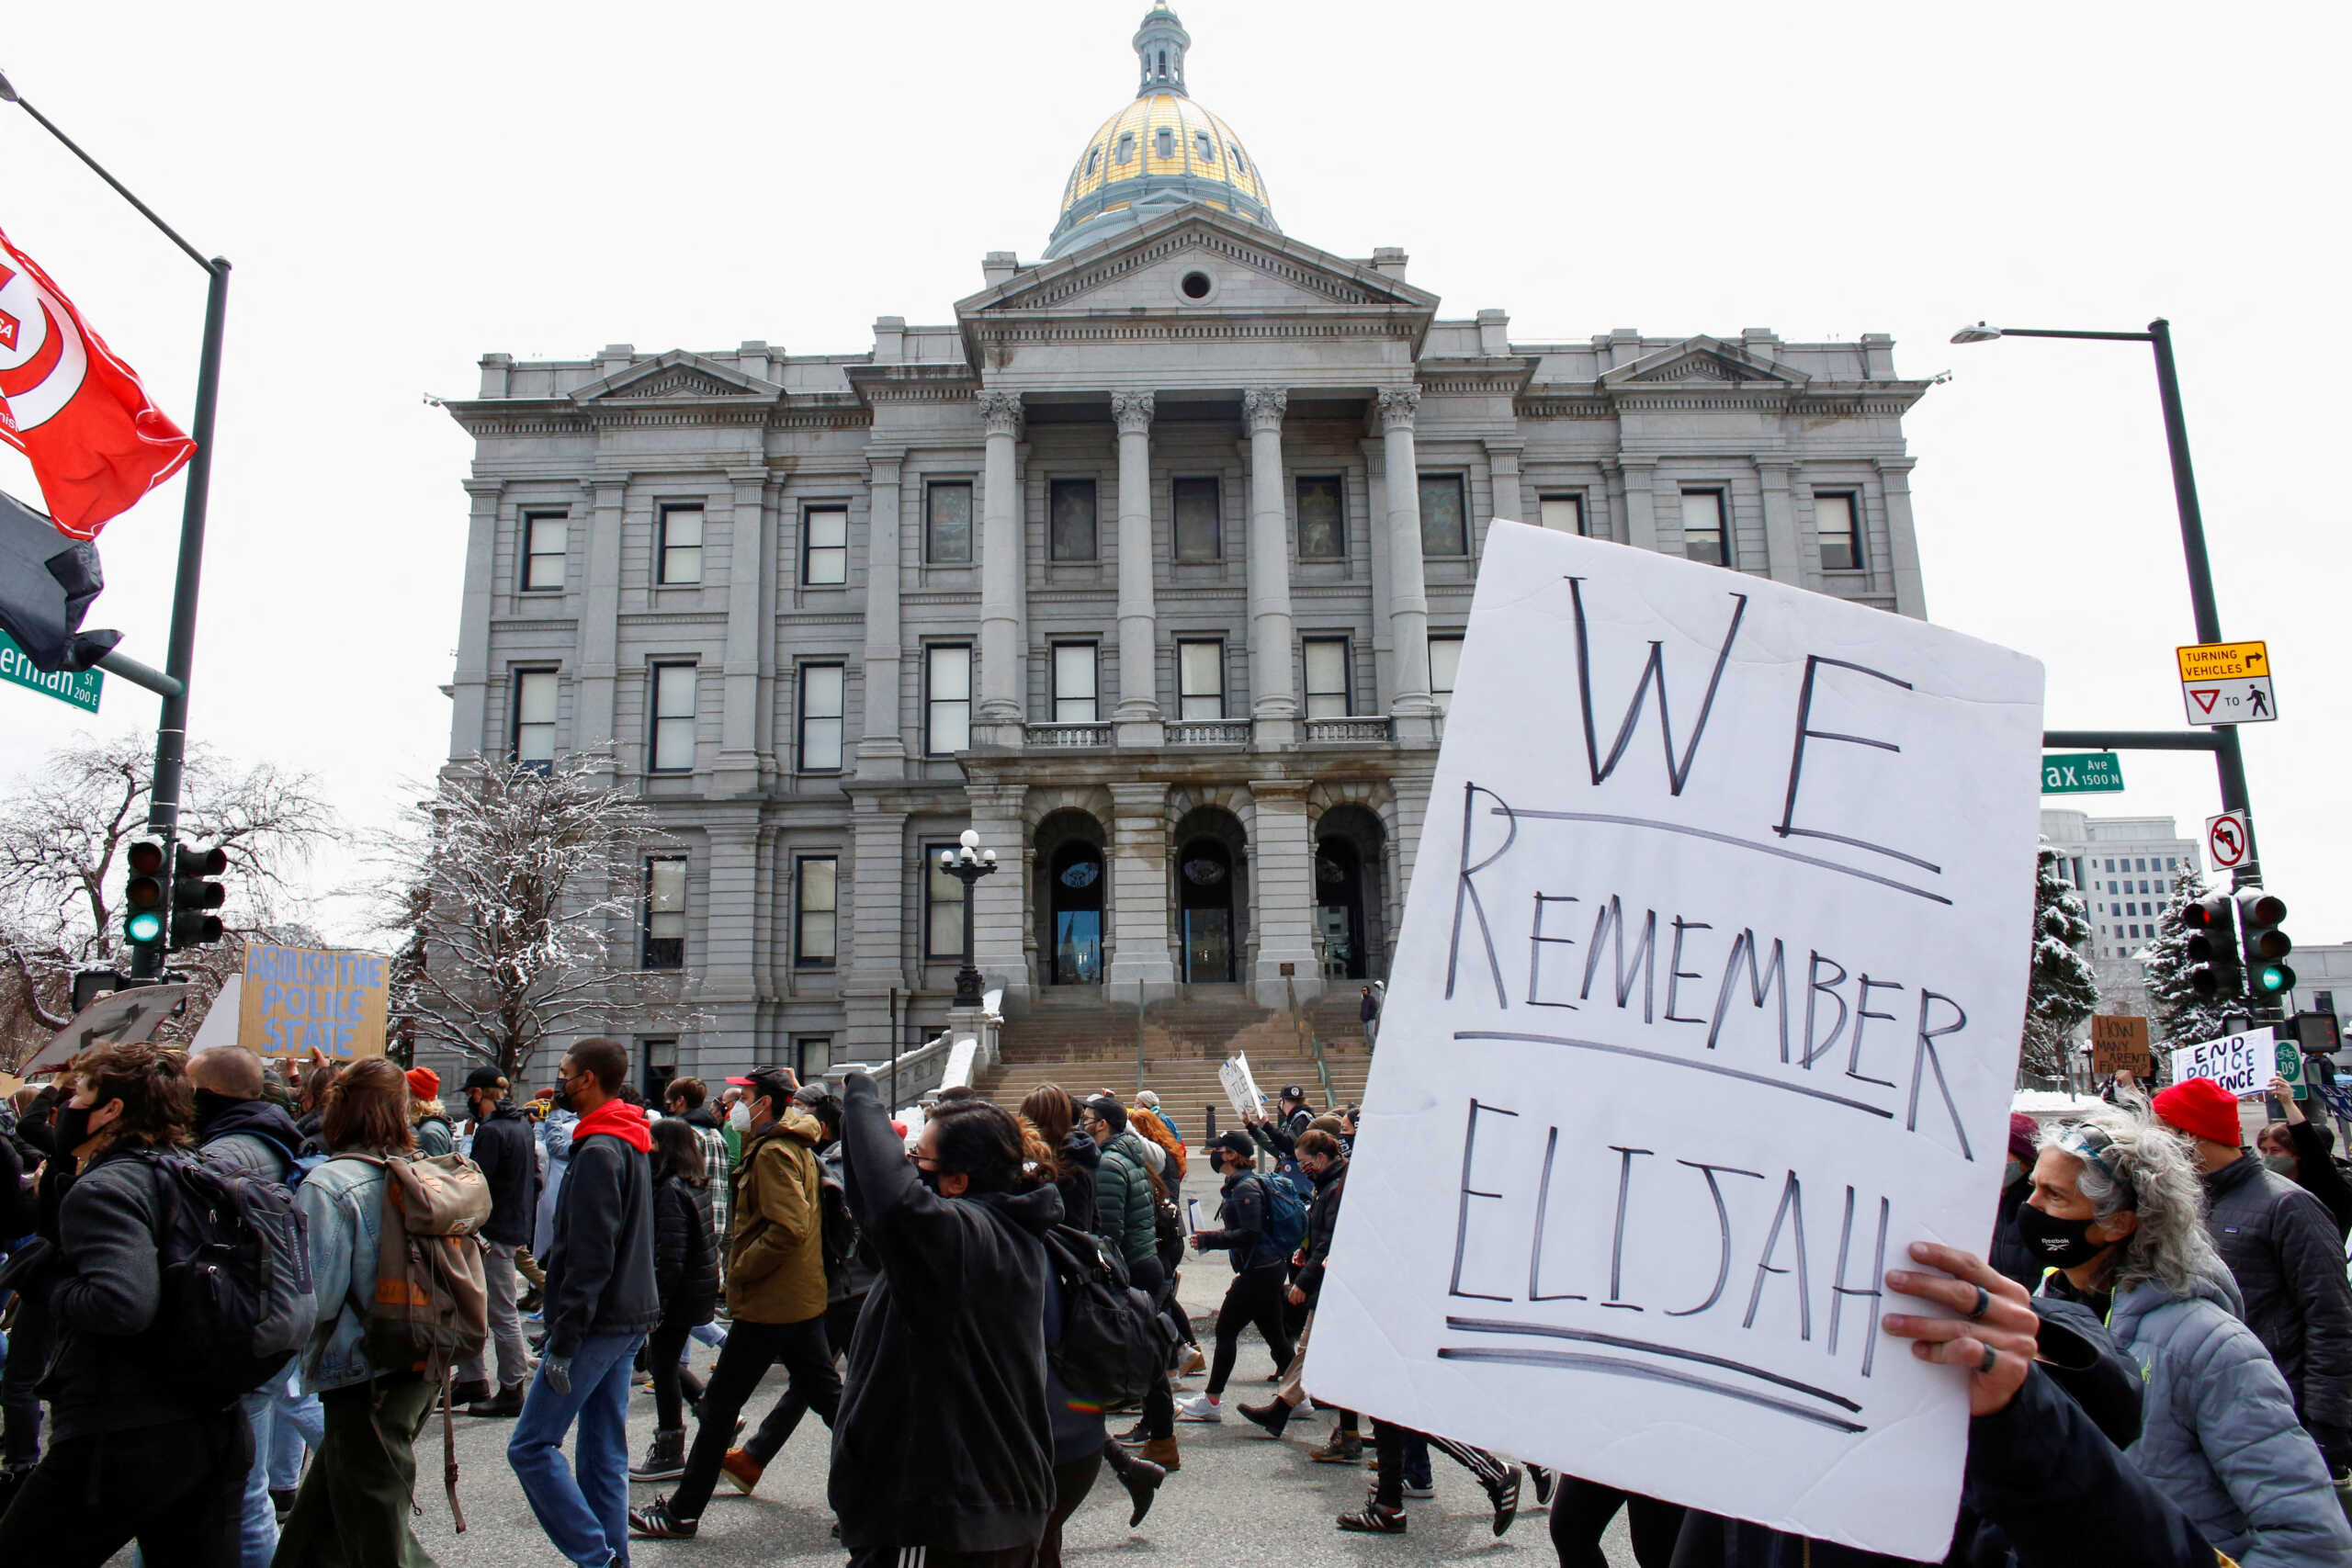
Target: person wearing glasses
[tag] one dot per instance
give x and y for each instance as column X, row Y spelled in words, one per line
column 2116, row 1221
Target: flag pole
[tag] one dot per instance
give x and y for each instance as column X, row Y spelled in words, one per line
column 171, row 730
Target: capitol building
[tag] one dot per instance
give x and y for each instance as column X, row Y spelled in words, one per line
column 1150, row 567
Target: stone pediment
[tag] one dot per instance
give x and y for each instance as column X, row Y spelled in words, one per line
column 1703, row 361
column 677, row 374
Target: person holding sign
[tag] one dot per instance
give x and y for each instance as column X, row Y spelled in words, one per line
column 2282, row 1248
column 1257, row 1230
column 2302, row 1151
column 2115, row 1216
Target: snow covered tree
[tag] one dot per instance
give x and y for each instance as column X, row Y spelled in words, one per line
column 2062, row 991
column 2182, row 1017
column 64, row 831
column 518, row 891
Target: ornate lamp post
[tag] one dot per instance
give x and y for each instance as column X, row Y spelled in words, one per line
column 967, row 864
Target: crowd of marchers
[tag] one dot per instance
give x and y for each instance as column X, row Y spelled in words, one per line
column 235, row 1300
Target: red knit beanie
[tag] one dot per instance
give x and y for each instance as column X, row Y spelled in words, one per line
column 2024, row 1134
column 2202, row 1109
column 423, row 1082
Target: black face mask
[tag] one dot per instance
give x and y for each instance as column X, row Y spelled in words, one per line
column 562, row 1100
column 73, row 1127
column 928, row 1177
column 210, row 1104
column 2056, row 1243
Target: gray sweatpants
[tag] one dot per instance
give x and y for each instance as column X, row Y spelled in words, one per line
column 505, row 1322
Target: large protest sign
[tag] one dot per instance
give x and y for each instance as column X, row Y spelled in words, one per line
column 299, row 998
column 1240, row 1088
column 2242, row 1064
column 1707, row 1004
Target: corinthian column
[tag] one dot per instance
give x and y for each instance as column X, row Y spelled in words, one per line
column 1273, row 710
column 1138, row 711
column 1408, row 600
column 1002, row 708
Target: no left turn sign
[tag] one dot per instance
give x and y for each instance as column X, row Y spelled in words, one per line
column 2228, row 839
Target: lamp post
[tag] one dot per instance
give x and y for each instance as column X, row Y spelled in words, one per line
column 967, row 864
column 2229, row 763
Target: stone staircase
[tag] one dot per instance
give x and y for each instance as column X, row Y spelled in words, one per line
column 1073, row 1037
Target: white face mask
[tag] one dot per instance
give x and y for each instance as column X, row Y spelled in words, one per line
column 740, row 1117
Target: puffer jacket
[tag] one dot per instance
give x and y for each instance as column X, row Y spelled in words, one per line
column 776, row 1263
column 685, row 1260
column 343, row 1200
column 1322, row 1225
column 1123, row 1212
column 2281, row 1246
column 2218, row 1432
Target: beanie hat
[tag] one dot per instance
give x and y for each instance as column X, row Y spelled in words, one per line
column 1148, row 1099
column 423, row 1082
column 2024, row 1133
column 2202, row 1109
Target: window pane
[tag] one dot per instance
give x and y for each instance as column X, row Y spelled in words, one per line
column 816, row 1053
column 1702, row 526
column 828, row 532
column 1833, row 520
column 543, row 548
column 1322, row 519
column 1564, row 512
column 949, row 530
column 1196, row 520
column 1074, row 692
column 674, row 718
column 1200, row 680
column 943, row 925
column 1445, row 657
column 1326, row 678
column 681, row 544
column 819, row 903
column 1072, row 513
column 948, row 727
column 665, row 914
column 951, row 673
column 535, row 695
column 820, row 718
column 1444, row 529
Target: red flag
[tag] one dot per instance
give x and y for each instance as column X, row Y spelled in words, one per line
column 79, row 414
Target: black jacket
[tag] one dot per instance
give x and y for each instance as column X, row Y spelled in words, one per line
column 685, row 1260
column 510, row 1163
column 1322, row 1223
column 2009, row 1254
column 1083, row 1157
column 254, row 1135
column 943, row 1440
column 600, row 1266
column 2283, row 1246
column 1241, row 1219
column 18, row 1208
column 2316, row 1174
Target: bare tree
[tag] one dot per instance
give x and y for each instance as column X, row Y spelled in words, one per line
column 518, row 890
column 64, row 831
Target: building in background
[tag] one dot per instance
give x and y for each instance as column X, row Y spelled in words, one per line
column 2125, row 868
column 1150, row 567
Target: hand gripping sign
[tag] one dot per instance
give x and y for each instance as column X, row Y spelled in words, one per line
column 1705, row 1008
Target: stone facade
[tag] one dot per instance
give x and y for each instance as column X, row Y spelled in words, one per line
column 1136, row 568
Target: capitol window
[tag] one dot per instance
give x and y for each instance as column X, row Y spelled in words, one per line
column 1126, row 154
column 1200, row 680
column 1322, row 517
column 1327, row 677
column 1702, row 527
column 1836, row 521
column 1207, row 148
column 947, row 522
column 1165, row 142
column 1093, row 160
column 1445, row 524
column 544, row 536
column 1197, row 525
column 1562, row 514
column 825, row 530
column 679, row 550
column 1071, row 519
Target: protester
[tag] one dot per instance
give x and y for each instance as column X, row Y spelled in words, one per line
column 510, row 1164
column 951, row 1346
column 1123, row 1215
column 600, row 1304
column 238, row 1128
column 686, row 1098
column 1384, row 1512
column 2302, row 1151
column 1152, row 1126
column 2009, row 1254
column 1325, row 1161
column 1247, row 1234
column 30, row 1339
column 2287, row 1256
column 686, row 1278
column 428, row 1122
column 1368, row 1014
column 2116, row 1214
column 776, row 1295
column 131, row 1457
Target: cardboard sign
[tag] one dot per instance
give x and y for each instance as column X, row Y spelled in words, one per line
column 1705, row 1006
column 1240, row 1088
column 125, row 1017
column 299, row 998
column 2242, row 1064
column 2119, row 1044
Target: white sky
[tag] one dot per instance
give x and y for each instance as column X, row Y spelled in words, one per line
column 404, row 190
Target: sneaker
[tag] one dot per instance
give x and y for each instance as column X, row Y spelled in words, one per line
column 1194, row 1364
column 742, row 1470
column 1504, row 1495
column 1542, row 1480
column 1273, row 1415
column 1134, row 1437
column 654, row 1522
column 1343, row 1448
column 1422, row 1490
column 1373, row 1519
column 1199, row 1407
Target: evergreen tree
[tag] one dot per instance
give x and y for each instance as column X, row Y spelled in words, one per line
column 2182, row 1017
column 2062, row 991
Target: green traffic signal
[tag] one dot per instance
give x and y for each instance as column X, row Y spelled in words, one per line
column 144, row 927
column 144, row 895
column 2259, row 915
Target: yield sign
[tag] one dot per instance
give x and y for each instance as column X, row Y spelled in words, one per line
column 2204, row 697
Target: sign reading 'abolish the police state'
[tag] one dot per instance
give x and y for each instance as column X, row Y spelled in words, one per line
column 1705, row 1008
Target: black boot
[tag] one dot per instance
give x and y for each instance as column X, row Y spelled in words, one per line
column 1142, row 1480
column 1273, row 1415
column 508, row 1402
column 665, row 1460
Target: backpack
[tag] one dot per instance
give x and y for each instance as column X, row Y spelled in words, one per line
column 234, row 1301
column 1113, row 1343
column 1285, row 1214
column 431, row 1305
column 839, row 1237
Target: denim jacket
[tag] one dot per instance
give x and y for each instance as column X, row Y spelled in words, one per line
column 344, row 1202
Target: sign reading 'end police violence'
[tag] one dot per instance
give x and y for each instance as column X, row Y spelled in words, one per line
column 1706, row 1007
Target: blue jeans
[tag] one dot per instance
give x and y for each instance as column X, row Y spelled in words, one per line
column 256, row 1517
column 297, row 1421
column 584, row 1511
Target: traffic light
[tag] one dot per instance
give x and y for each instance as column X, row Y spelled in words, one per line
column 2213, row 971
column 194, row 894
column 2259, row 914
column 145, row 897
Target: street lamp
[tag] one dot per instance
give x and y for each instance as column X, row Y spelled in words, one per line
column 2229, row 763
column 967, row 864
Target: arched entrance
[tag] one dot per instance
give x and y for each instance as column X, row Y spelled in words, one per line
column 1073, row 878
column 1348, row 861
column 1204, row 906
